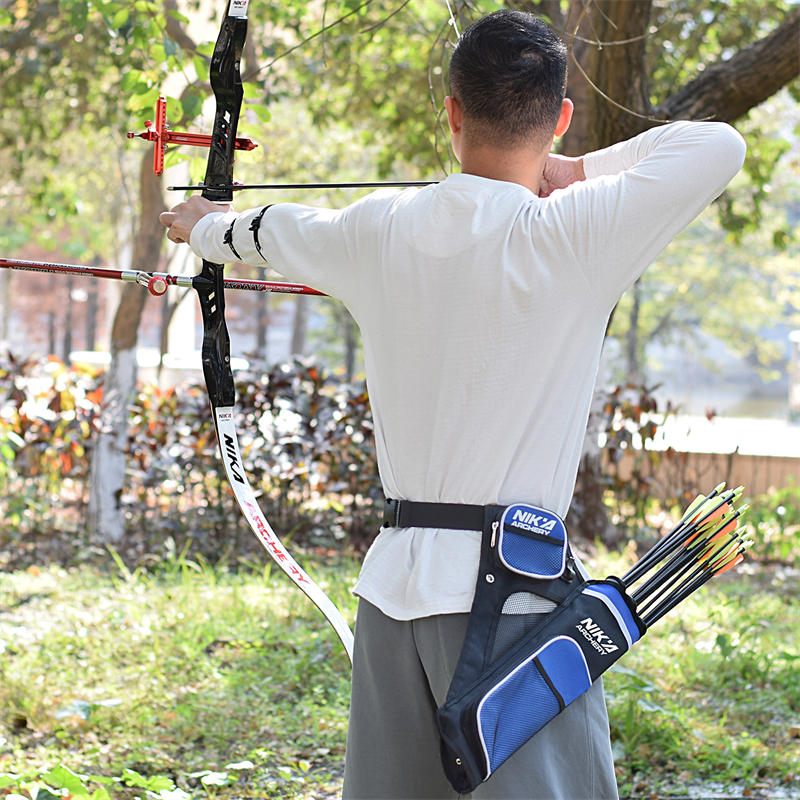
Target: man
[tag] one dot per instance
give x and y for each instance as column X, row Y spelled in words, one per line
column 483, row 302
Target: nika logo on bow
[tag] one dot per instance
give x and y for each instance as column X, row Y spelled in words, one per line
column 232, row 453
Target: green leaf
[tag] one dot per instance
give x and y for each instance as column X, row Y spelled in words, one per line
column 200, row 65
column 43, row 793
column 145, row 101
column 121, row 17
column 175, row 14
column 723, row 642
column 261, row 111
column 191, row 105
column 241, row 765
column 171, row 48
column 155, row 783
column 79, row 14
column 781, row 238
column 131, row 79
column 64, row 778
column 215, row 779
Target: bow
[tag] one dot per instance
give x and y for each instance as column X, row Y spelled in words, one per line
column 209, row 284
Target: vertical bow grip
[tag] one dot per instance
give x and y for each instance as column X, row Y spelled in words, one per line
column 216, row 349
column 226, row 83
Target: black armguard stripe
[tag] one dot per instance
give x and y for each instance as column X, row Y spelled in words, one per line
column 228, row 240
column 254, row 226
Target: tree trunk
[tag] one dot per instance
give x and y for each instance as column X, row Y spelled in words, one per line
column 632, row 352
column 5, row 305
column 618, row 107
column 262, row 328
column 350, row 345
column 576, row 32
column 91, row 316
column 618, row 73
column 300, row 325
column 51, row 332
column 66, row 345
column 106, row 518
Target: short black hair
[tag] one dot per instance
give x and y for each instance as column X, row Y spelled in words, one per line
column 508, row 72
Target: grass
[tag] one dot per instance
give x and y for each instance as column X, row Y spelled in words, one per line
column 195, row 682
column 711, row 693
column 174, row 674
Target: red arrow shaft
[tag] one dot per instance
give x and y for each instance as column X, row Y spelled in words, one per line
column 155, row 282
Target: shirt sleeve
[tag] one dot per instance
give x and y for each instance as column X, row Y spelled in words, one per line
column 639, row 194
column 324, row 248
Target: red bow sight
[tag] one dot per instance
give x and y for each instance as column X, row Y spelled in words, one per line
column 161, row 135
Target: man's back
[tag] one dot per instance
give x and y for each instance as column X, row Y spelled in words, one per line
column 483, row 310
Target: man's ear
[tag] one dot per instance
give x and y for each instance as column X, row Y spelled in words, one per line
column 455, row 115
column 455, row 118
column 564, row 118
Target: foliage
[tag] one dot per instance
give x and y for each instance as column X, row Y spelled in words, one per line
column 307, row 446
column 631, row 419
column 688, row 39
column 775, row 517
column 306, row 441
column 71, row 72
column 701, row 288
column 47, row 418
column 60, row 781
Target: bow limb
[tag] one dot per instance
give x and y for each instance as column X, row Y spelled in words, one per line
column 209, row 284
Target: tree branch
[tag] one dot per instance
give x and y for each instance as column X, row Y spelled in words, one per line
column 727, row 90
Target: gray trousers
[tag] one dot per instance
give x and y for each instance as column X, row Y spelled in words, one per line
column 401, row 674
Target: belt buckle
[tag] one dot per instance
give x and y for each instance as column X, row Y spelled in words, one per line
column 391, row 513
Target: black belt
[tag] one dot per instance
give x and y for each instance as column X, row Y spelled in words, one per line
column 453, row 516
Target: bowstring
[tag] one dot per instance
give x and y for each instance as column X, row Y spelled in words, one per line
column 440, row 128
column 452, row 18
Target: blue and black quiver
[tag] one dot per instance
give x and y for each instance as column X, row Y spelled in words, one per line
column 538, row 636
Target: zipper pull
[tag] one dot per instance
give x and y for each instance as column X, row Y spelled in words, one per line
column 495, row 526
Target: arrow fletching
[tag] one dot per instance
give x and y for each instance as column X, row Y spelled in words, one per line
column 707, row 541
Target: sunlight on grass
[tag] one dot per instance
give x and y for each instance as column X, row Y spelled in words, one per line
column 170, row 673
column 711, row 693
column 232, row 685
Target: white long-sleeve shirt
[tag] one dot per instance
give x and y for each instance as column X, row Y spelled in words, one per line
column 482, row 309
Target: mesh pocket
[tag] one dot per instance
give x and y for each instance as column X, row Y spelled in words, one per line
column 522, row 612
column 528, row 698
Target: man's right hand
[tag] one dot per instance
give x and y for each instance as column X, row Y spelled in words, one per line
column 559, row 172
